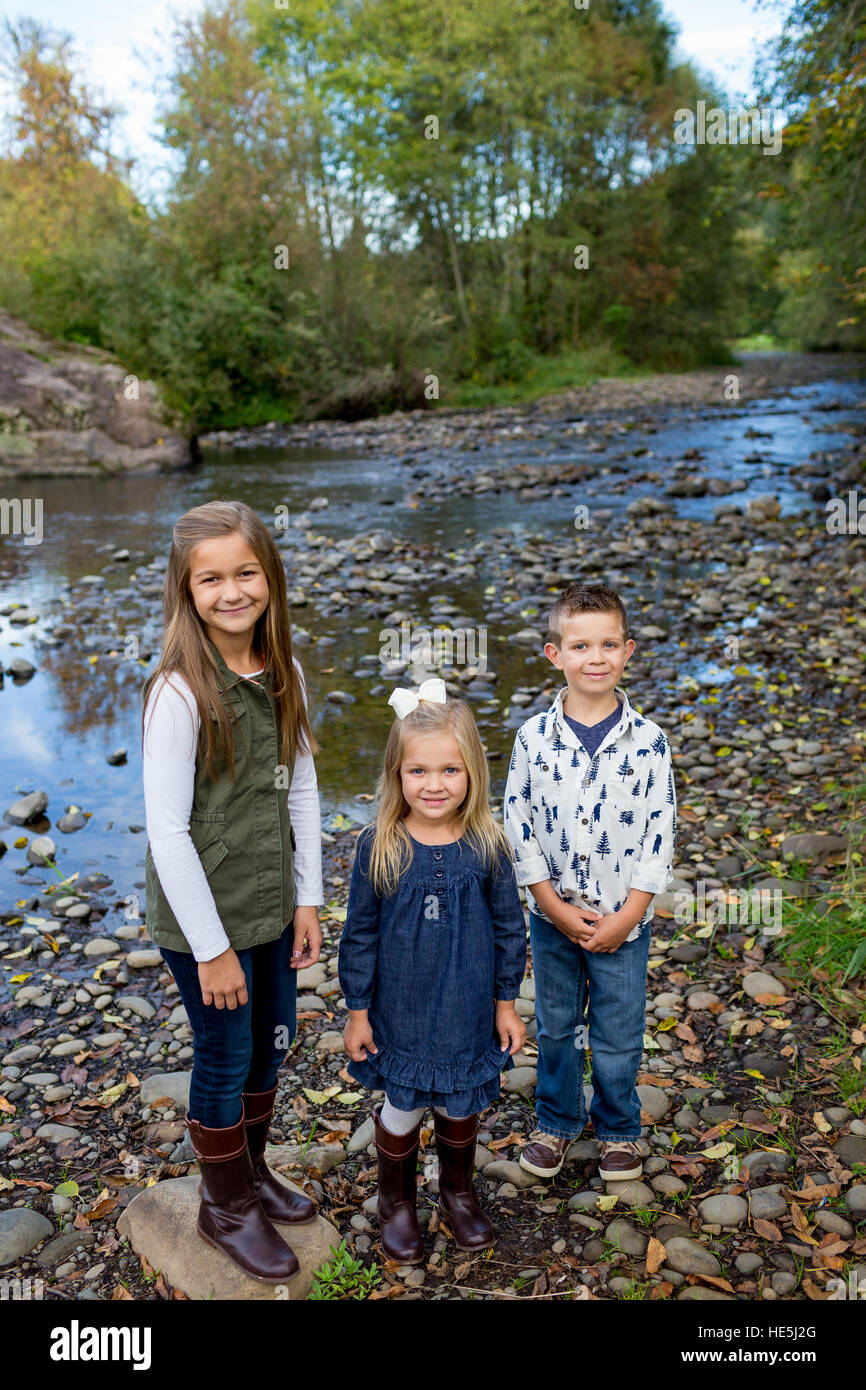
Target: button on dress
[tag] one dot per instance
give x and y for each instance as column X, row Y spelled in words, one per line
column 429, row 963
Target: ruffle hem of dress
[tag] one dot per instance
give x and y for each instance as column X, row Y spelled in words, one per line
column 410, row 1083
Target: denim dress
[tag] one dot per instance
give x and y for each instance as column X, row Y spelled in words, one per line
column 428, row 963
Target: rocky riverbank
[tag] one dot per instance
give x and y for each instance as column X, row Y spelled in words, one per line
column 70, row 409
column 741, row 1063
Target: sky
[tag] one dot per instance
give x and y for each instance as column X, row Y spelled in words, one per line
column 121, row 48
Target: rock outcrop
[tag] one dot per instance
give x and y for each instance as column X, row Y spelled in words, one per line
column 68, row 408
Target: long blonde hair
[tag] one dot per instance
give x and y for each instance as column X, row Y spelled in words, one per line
column 185, row 646
column 391, row 847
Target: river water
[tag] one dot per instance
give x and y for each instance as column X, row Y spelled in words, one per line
column 57, row 728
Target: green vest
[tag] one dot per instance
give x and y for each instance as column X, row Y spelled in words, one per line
column 241, row 829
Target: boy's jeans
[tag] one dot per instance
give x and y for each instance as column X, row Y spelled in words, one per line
column 240, row 1049
column 616, row 985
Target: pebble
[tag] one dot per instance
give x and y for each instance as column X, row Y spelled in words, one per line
column 583, row 1201
column 143, row 959
column 20, row 1230
column 55, row 1134
column 690, row 1257
column 136, row 1004
column 520, row 1079
column 623, row 1235
column 759, row 982
column 855, row 1199
column 766, row 1204
column 832, row 1221
column 725, row 1209
column 100, row 946
column 762, row 1161
column 507, row 1170
column 784, row 1283
column 748, row 1262
column 654, row 1101
column 330, row 1042
column 632, row 1192
column 666, row 1183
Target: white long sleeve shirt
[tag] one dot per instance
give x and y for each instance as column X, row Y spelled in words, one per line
column 596, row 827
column 169, row 753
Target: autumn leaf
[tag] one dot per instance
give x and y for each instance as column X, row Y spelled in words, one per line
column 765, row 1229
column 719, row 1150
column 607, row 1202
column 655, row 1255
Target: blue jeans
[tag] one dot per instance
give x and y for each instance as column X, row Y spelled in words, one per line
column 569, row 984
column 239, row 1049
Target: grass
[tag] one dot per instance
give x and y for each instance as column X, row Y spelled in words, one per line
column 343, row 1277
column 826, row 954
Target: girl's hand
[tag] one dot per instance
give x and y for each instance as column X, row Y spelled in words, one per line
column 358, row 1036
column 308, row 937
column 510, row 1027
column 222, row 980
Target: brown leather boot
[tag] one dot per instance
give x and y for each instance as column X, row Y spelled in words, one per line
column 231, row 1217
column 455, row 1145
column 280, row 1203
column 399, row 1231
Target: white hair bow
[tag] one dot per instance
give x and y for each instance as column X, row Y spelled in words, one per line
column 404, row 701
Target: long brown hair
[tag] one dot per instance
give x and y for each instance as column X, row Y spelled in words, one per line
column 391, row 848
column 185, row 643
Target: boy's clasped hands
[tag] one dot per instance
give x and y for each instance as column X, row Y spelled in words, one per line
column 594, row 931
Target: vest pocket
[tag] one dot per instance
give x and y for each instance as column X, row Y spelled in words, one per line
column 212, row 854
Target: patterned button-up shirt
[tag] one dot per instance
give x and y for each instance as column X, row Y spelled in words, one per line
column 595, row 827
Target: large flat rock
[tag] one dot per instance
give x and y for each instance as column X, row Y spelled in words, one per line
column 161, row 1225
column 68, row 408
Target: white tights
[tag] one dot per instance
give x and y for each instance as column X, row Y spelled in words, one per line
column 401, row 1121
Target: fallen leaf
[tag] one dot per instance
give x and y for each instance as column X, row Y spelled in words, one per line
column 655, row 1255
column 719, row 1150
column 765, row 1229
column 607, row 1202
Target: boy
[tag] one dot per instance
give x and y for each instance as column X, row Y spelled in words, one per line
column 590, row 809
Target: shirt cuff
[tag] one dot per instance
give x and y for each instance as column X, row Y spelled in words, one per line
column 359, row 1001
column 648, row 882
column 532, row 870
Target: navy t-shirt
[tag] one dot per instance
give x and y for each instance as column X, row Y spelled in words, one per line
column 593, row 735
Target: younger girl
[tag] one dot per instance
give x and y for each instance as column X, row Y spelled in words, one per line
column 431, row 959
column 233, row 866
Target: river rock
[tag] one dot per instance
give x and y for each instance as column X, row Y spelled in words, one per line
column 759, row 982
column 623, row 1235
column 851, row 1148
column 762, row 1161
column 631, row 1192
column 20, row 1230
column 101, row 946
column 144, row 959
column 855, row 1200
column 29, row 808
column 325, row 1157
column 520, row 1079
column 766, row 1204
column 136, row 1003
column 160, row 1223
column 173, row 1084
column 55, row 1134
column 813, row 847
column 365, row 1134
column 506, row 1170
column 725, row 1209
column 312, row 976
column 41, row 848
column 654, row 1101
column 688, row 1256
